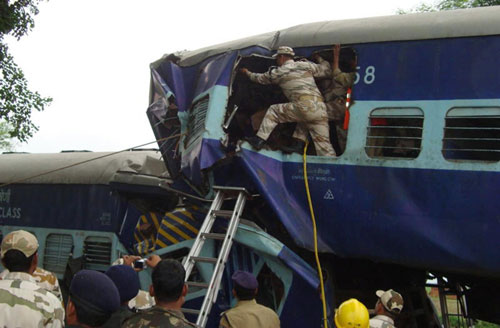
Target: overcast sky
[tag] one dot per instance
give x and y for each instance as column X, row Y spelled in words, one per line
column 92, row 57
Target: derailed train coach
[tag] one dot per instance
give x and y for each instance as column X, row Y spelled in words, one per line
column 87, row 209
column 414, row 194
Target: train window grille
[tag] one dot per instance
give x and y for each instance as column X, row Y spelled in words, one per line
column 97, row 253
column 196, row 121
column 472, row 134
column 395, row 132
column 58, row 248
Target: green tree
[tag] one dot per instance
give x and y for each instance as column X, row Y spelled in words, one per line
column 449, row 4
column 17, row 101
column 6, row 143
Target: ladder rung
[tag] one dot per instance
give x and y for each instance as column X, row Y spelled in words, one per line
column 203, row 259
column 212, row 235
column 223, row 213
column 197, row 284
column 190, row 311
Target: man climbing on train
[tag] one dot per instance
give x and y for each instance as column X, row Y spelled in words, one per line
column 306, row 105
column 334, row 89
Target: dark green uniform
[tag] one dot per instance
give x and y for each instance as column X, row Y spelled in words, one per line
column 157, row 317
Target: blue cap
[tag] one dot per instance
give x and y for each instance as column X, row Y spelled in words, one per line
column 95, row 290
column 245, row 279
column 126, row 280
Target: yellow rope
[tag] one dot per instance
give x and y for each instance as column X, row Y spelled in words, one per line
column 315, row 234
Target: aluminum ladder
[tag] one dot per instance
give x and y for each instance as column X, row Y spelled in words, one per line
column 205, row 232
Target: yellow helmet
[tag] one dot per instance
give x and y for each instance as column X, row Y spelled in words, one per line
column 352, row 314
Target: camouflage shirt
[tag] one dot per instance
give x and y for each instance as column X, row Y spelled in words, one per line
column 338, row 84
column 45, row 279
column 157, row 317
column 24, row 304
column 296, row 79
column 381, row 321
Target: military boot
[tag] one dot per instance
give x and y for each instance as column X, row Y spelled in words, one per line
column 296, row 147
column 256, row 142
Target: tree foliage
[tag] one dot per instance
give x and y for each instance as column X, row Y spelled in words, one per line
column 450, row 4
column 17, row 101
column 6, row 143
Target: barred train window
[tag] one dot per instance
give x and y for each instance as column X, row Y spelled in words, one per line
column 58, row 248
column 97, row 253
column 472, row 134
column 395, row 132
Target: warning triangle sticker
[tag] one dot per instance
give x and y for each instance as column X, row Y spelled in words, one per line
column 329, row 195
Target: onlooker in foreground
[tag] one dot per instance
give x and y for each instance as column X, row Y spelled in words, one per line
column 45, row 279
column 387, row 308
column 127, row 282
column 352, row 314
column 22, row 302
column 247, row 313
column 169, row 291
column 93, row 298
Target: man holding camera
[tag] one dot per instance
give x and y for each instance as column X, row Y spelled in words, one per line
column 169, row 291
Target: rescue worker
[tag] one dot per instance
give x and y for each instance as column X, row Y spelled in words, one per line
column 247, row 312
column 169, row 291
column 93, row 298
column 335, row 89
column 127, row 282
column 22, row 302
column 45, row 279
column 389, row 305
column 306, row 106
column 352, row 314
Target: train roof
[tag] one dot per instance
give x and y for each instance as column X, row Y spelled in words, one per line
column 435, row 25
column 94, row 167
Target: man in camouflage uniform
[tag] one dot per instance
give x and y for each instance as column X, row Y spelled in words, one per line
column 306, row 106
column 45, row 279
column 248, row 313
column 169, row 291
column 335, row 89
column 388, row 307
column 22, row 302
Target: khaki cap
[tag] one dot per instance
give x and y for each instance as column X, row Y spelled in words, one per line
column 391, row 300
column 20, row 240
column 283, row 50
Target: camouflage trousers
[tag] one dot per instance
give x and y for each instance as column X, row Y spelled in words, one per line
column 311, row 118
column 335, row 110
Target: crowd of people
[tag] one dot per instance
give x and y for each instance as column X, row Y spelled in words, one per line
column 31, row 297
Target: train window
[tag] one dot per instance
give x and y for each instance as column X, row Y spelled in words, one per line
column 249, row 101
column 58, row 248
column 394, row 132
column 472, row 134
column 97, row 253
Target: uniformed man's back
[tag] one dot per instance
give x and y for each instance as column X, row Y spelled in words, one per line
column 157, row 317
column 250, row 314
column 24, row 304
column 247, row 312
column 44, row 279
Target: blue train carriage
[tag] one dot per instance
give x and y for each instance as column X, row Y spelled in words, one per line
column 80, row 204
column 415, row 192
